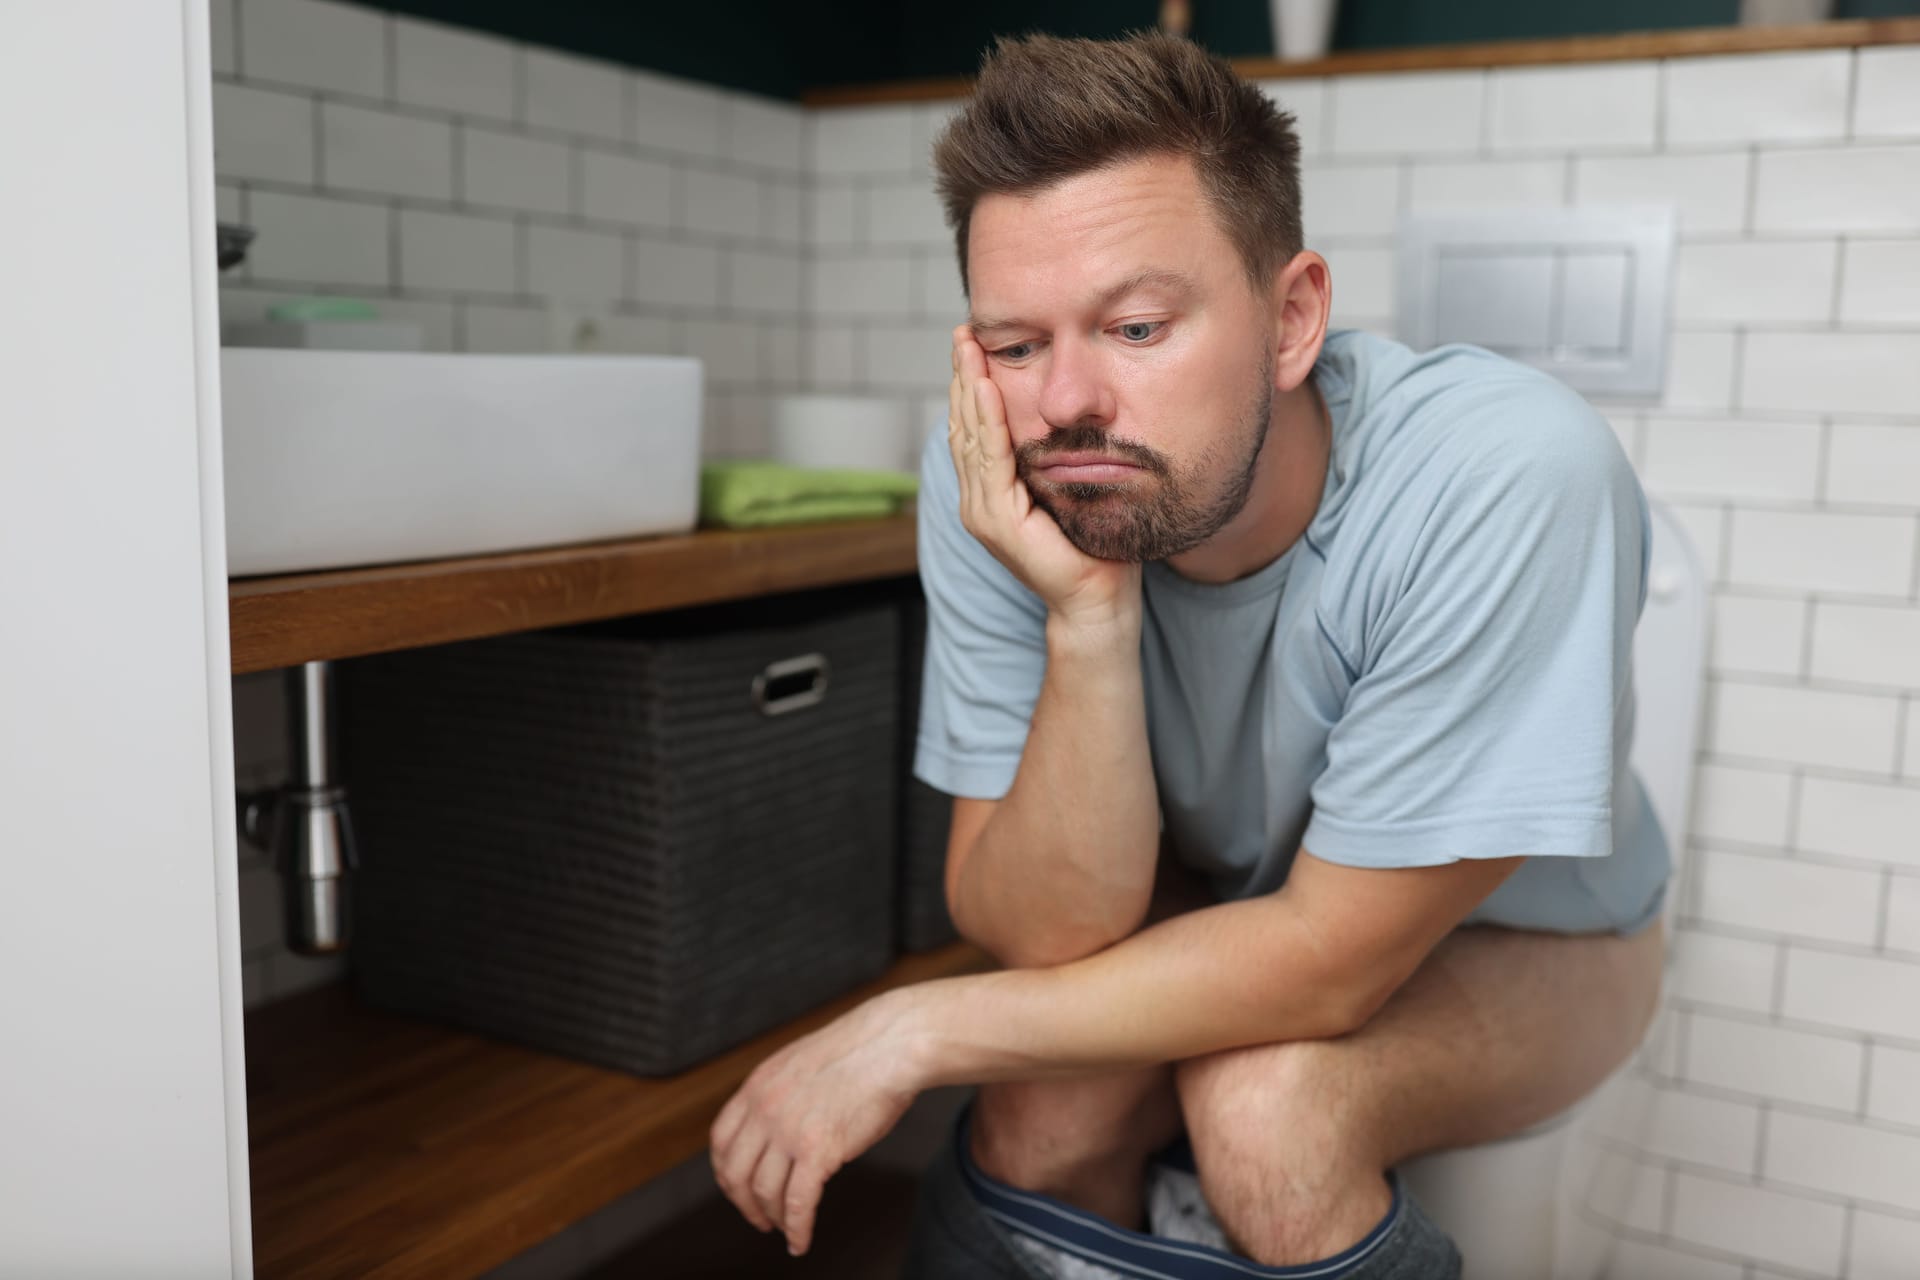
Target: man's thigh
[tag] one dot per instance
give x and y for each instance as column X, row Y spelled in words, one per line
column 1497, row 1030
column 1030, row 1130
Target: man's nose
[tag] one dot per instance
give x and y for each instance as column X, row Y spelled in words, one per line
column 1075, row 389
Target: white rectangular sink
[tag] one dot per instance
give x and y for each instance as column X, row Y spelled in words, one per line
column 338, row 458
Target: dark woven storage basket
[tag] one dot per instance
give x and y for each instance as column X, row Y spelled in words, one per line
column 594, row 842
column 925, row 813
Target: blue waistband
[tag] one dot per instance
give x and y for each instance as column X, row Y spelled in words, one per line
column 1137, row 1253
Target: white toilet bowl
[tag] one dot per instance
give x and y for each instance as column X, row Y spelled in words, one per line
column 1535, row 1206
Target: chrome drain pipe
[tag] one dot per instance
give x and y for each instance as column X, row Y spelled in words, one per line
column 304, row 825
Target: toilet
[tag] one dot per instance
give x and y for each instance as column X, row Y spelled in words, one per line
column 1537, row 1206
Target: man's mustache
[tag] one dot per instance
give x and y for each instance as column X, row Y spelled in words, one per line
column 1084, row 438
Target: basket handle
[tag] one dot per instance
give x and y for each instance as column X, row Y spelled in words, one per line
column 791, row 684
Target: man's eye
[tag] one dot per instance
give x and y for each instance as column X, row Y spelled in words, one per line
column 1018, row 351
column 1139, row 330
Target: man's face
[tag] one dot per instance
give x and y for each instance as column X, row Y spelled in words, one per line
column 1135, row 362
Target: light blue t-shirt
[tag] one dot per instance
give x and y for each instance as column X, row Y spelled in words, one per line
column 1438, row 669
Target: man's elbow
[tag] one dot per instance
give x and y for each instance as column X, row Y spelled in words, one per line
column 1045, row 947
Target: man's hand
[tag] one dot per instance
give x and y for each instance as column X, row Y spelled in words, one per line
column 809, row 1109
column 997, row 509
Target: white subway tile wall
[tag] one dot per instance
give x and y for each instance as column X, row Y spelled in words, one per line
column 800, row 249
column 512, row 198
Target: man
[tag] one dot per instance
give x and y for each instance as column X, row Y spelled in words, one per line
column 1283, row 681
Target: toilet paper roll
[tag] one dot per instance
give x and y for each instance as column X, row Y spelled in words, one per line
column 838, row 431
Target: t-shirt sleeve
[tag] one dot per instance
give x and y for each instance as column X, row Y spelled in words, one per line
column 1490, row 665
column 986, row 647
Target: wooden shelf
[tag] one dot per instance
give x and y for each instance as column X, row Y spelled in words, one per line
column 1686, row 42
column 284, row 620
column 388, row 1147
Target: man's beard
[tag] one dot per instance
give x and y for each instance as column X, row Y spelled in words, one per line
column 1182, row 510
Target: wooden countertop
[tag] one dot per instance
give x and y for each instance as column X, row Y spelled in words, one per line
column 283, row 620
column 1683, row 43
column 387, row 1147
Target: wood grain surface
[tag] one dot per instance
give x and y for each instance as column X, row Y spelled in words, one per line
column 388, row 1147
column 1687, row 42
column 284, row 620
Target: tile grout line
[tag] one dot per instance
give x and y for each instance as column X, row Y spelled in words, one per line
column 1811, row 605
column 1885, row 906
column 390, row 31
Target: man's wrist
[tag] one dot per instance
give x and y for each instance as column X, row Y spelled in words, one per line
column 1103, row 630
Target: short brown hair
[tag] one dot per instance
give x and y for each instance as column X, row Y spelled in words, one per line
column 1045, row 109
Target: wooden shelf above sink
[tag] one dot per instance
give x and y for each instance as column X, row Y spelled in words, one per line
column 284, row 620
column 388, row 1147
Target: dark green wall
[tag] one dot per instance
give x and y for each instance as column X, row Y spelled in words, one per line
column 780, row 47
column 775, row 47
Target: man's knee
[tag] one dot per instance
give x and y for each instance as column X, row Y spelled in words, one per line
column 1270, row 1104
column 1035, row 1133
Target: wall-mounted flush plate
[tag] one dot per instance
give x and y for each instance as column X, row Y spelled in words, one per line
column 1582, row 293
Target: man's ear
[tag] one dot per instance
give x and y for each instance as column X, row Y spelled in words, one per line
column 1301, row 298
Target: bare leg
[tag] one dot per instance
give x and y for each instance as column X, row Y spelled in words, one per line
column 1498, row 1030
column 1085, row 1139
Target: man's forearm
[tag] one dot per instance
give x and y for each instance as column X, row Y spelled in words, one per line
column 1066, row 864
column 1241, row 973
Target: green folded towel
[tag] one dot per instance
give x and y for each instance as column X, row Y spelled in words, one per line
column 748, row 494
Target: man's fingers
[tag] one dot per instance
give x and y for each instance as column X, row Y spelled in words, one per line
column 735, row 1172
column 995, row 442
column 769, row 1185
column 804, row 1186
